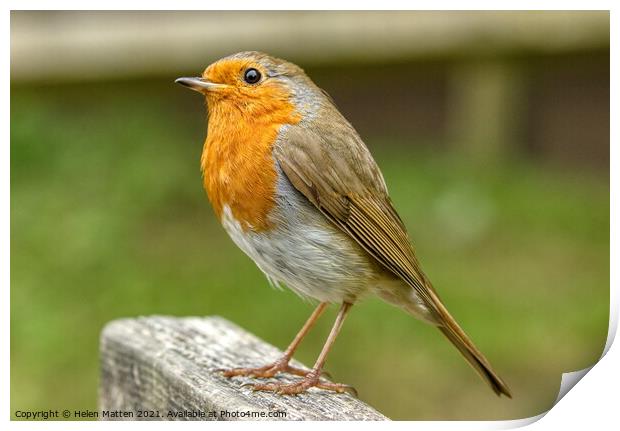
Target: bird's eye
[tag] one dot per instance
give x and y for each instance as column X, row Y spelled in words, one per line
column 251, row 76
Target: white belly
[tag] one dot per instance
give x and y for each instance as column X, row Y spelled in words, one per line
column 305, row 251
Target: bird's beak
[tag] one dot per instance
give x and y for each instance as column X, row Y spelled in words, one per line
column 198, row 84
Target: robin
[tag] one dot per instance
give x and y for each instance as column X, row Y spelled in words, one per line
column 295, row 187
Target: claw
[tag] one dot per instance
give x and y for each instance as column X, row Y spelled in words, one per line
column 311, row 378
column 296, row 371
column 253, row 386
column 270, row 370
column 351, row 391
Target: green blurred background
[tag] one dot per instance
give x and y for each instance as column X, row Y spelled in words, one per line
column 492, row 131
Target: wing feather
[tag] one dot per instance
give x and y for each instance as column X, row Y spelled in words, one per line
column 343, row 181
column 337, row 174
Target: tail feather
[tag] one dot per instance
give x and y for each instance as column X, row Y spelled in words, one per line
column 453, row 332
column 478, row 362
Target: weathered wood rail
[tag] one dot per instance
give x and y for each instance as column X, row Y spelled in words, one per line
column 163, row 368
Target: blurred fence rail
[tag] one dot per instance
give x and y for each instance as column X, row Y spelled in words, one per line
column 534, row 82
column 90, row 45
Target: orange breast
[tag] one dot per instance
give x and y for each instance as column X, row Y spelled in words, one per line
column 237, row 163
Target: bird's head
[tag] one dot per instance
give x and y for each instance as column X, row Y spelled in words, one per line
column 255, row 83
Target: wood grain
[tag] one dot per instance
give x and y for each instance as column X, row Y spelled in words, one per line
column 164, row 367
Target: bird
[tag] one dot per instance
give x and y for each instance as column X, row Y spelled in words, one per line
column 297, row 190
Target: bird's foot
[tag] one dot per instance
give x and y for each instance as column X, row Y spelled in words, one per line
column 269, row 370
column 311, row 379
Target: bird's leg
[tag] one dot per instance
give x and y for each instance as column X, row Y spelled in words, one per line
column 282, row 364
column 313, row 378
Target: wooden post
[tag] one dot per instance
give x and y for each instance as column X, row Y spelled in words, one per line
column 486, row 106
column 163, row 368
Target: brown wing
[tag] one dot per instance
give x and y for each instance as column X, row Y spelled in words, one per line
column 340, row 177
column 336, row 172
